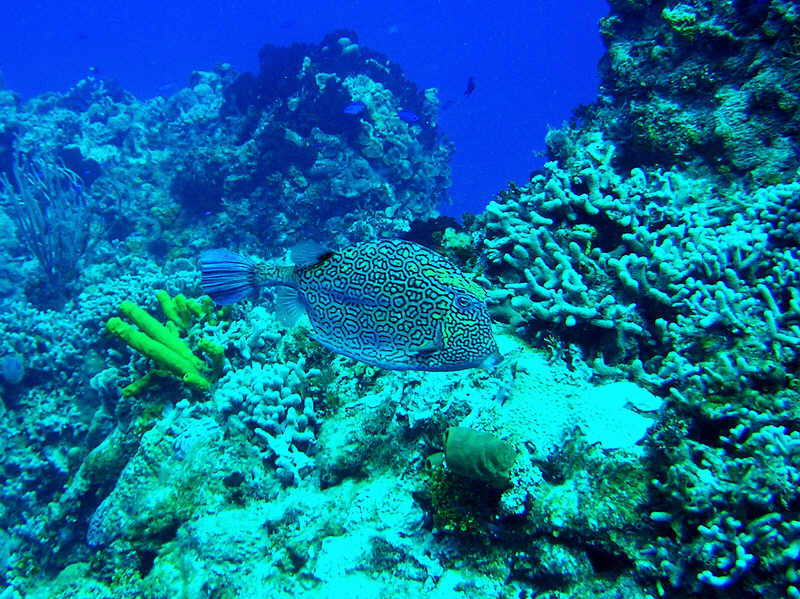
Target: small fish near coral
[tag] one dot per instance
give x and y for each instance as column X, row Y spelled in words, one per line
column 389, row 303
column 354, row 108
column 408, row 116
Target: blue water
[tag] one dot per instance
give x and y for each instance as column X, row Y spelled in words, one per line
column 533, row 62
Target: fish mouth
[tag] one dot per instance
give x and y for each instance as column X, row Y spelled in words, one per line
column 490, row 362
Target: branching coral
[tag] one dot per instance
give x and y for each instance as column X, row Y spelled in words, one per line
column 726, row 506
column 649, row 270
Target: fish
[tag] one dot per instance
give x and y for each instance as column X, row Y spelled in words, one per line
column 470, row 86
column 409, row 116
column 388, row 303
column 354, row 108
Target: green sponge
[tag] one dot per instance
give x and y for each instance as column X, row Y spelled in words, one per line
column 182, row 311
column 158, row 332
column 163, row 344
column 479, row 455
column 165, row 356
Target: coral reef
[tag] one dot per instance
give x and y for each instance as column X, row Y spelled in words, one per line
column 277, row 403
column 52, row 217
column 712, row 83
column 726, row 500
column 639, row 439
column 165, row 477
column 211, row 162
column 680, row 281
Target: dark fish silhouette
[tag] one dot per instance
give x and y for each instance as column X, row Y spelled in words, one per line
column 470, row 86
column 467, row 92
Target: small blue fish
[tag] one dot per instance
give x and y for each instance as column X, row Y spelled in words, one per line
column 409, row 116
column 354, row 108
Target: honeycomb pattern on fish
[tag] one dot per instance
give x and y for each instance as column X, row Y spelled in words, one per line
column 389, row 303
column 396, row 304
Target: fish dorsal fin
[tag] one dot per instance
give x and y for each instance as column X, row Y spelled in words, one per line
column 288, row 306
column 307, row 253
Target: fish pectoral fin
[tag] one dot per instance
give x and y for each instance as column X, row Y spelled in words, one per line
column 426, row 349
column 288, row 306
column 429, row 346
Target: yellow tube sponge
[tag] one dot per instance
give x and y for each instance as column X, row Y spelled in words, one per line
column 158, row 332
column 215, row 352
column 181, row 310
column 154, row 341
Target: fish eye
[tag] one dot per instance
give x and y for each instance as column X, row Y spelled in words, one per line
column 462, row 301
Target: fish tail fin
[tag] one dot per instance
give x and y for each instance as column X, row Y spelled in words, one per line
column 226, row 276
